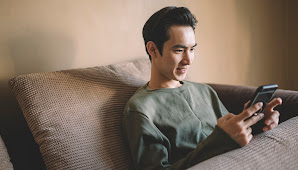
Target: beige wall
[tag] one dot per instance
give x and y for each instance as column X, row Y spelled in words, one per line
column 292, row 35
column 242, row 42
column 239, row 42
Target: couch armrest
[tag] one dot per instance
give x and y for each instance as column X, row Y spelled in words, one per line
column 4, row 157
column 234, row 97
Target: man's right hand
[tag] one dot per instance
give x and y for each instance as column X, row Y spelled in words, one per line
column 238, row 126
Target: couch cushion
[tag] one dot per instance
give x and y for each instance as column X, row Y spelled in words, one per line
column 4, row 157
column 234, row 97
column 274, row 149
column 76, row 115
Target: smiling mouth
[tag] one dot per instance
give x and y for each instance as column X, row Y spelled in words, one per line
column 182, row 68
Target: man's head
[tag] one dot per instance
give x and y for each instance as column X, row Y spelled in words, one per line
column 170, row 43
column 156, row 29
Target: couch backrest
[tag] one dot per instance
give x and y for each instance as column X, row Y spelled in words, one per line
column 234, row 97
column 75, row 115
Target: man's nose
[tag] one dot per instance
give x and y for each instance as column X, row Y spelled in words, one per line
column 188, row 57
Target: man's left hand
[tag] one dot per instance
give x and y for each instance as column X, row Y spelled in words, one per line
column 271, row 116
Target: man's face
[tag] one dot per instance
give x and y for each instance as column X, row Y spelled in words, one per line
column 177, row 54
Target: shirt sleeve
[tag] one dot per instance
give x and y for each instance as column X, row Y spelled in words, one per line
column 218, row 107
column 151, row 149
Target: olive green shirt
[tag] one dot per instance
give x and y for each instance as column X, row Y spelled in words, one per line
column 175, row 127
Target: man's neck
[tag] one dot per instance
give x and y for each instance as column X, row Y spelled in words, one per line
column 153, row 84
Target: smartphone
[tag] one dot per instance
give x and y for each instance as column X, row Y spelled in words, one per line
column 263, row 94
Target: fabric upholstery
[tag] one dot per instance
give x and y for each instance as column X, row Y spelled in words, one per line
column 5, row 163
column 234, row 97
column 76, row 115
column 275, row 149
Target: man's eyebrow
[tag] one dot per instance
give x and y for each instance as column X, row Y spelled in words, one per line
column 183, row 46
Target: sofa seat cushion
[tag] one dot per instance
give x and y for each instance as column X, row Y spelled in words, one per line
column 274, row 149
column 75, row 115
column 5, row 163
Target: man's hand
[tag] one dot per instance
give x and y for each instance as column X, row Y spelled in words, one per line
column 272, row 116
column 238, row 126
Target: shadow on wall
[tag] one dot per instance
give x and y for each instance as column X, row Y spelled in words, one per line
column 265, row 22
column 41, row 52
column 35, row 52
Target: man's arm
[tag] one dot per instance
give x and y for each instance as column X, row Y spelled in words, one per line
column 150, row 149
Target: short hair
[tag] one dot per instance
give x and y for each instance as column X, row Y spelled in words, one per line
column 157, row 27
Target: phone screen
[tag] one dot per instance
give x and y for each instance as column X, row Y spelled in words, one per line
column 263, row 97
column 263, row 94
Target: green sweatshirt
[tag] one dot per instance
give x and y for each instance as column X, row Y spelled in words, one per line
column 175, row 128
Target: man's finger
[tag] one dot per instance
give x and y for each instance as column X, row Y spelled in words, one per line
column 275, row 102
column 246, row 104
column 273, row 118
column 249, row 111
column 253, row 120
column 249, row 130
column 269, row 127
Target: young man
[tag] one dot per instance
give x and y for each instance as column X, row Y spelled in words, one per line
column 171, row 123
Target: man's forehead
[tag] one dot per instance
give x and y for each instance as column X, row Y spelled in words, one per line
column 181, row 35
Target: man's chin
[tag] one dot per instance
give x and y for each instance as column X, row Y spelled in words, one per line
column 181, row 78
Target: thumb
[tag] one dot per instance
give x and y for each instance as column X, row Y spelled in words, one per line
column 227, row 117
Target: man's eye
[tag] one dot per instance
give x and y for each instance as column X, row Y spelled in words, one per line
column 179, row 51
column 192, row 49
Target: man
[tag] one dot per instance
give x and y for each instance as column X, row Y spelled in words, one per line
column 171, row 123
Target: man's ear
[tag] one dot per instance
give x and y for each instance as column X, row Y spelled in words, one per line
column 152, row 49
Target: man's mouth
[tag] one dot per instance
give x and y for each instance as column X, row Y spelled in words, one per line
column 182, row 69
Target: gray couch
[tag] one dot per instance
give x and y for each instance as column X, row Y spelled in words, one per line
column 75, row 118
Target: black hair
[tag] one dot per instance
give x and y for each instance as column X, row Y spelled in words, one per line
column 157, row 26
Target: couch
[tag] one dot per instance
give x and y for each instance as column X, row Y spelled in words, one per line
column 75, row 119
